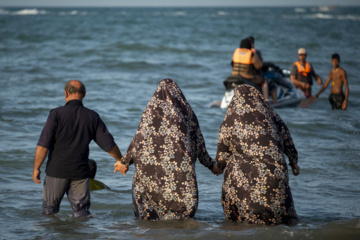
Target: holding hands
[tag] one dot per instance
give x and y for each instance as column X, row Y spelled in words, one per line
column 215, row 170
column 119, row 167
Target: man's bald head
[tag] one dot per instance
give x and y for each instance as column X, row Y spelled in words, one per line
column 75, row 89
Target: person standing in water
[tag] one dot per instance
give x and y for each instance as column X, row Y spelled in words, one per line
column 339, row 79
column 65, row 139
column 253, row 141
column 164, row 151
column 302, row 73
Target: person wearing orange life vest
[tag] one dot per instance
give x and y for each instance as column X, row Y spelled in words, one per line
column 245, row 64
column 302, row 73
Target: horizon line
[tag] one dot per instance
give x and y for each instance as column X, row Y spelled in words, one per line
column 183, row 6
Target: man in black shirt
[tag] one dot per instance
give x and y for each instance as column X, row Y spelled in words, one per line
column 65, row 139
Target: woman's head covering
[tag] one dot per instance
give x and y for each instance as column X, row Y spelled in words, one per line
column 164, row 150
column 247, row 104
column 169, row 122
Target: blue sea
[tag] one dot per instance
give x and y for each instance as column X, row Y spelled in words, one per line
column 121, row 54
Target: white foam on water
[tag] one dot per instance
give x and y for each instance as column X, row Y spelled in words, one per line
column 33, row 11
column 180, row 13
column 222, row 13
column 349, row 17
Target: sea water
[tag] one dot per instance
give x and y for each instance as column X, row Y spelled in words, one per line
column 121, row 54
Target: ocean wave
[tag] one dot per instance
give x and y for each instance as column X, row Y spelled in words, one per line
column 351, row 17
column 73, row 12
column 4, row 12
column 320, row 16
column 33, row 11
column 160, row 13
column 299, row 10
column 222, row 13
column 180, row 13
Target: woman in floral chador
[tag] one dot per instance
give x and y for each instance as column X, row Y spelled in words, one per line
column 253, row 142
column 164, row 150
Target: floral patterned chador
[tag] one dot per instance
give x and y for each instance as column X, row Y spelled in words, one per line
column 253, row 141
column 164, row 150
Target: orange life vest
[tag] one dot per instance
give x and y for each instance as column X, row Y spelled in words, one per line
column 242, row 63
column 303, row 74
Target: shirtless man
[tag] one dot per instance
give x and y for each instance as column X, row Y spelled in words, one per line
column 338, row 76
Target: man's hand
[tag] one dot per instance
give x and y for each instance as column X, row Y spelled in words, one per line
column 36, row 176
column 40, row 155
column 319, row 80
column 306, row 86
column 119, row 167
column 344, row 105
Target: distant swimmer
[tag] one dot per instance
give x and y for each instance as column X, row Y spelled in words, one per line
column 338, row 76
column 302, row 72
column 95, row 184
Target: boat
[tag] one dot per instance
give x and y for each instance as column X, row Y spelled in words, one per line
column 287, row 94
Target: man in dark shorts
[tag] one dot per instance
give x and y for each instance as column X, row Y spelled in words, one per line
column 338, row 76
column 65, row 139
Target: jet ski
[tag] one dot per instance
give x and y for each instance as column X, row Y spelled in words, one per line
column 278, row 79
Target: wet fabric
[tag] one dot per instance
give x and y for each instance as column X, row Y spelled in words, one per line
column 164, row 150
column 336, row 100
column 253, row 141
column 77, row 191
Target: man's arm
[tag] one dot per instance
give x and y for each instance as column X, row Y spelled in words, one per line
column 115, row 153
column 344, row 104
column 317, row 77
column 293, row 79
column 40, row 155
column 256, row 61
column 325, row 85
column 299, row 84
column 319, row 80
